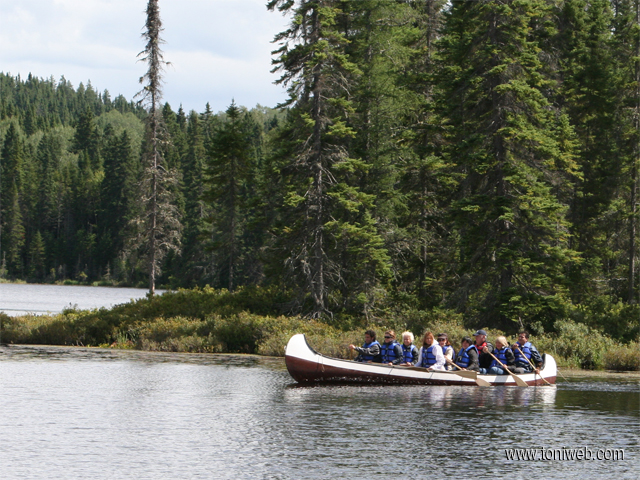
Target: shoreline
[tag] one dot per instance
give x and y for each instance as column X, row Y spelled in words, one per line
column 569, row 373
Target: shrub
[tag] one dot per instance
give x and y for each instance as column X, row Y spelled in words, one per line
column 609, row 315
column 623, row 358
column 216, row 321
column 580, row 345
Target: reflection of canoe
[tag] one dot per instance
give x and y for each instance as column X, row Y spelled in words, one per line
column 305, row 365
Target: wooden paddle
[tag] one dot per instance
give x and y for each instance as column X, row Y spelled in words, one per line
column 520, row 382
column 532, row 365
column 463, row 372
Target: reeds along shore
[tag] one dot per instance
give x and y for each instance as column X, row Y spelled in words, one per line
column 216, row 321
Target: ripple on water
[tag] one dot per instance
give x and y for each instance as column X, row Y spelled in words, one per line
column 89, row 413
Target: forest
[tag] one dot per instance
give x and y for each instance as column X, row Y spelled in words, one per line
column 477, row 158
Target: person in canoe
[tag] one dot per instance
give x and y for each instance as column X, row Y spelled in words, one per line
column 431, row 356
column 467, row 356
column 409, row 350
column 390, row 350
column 370, row 350
column 447, row 350
column 504, row 356
column 525, row 352
column 485, row 359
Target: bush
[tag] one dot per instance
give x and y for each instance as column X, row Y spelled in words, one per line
column 623, row 358
column 216, row 321
column 611, row 316
column 579, row 345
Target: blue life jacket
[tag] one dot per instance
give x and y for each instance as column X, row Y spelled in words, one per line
column 428, row 357
column 526, row 349
column 388, row 352
column 409, row 353
column 463, row 359
column 500, row 355
column 368, row 358
column 446, row 348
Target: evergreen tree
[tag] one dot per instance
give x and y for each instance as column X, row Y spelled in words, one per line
column 14, row 233
column 160, row 225
column 11, row 229
column 116, row 192
column 36, row 268
column 87, row 139
column 626, row 27
column 228, row 167
column 513, row 152
column 424, row 249
column 49, row 154
column 193, row 262
column 330, row 234
column 589, row 90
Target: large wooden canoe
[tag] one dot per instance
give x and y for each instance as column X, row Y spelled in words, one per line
column 307, row 366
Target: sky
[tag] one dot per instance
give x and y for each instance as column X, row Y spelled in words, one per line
column 219, row 49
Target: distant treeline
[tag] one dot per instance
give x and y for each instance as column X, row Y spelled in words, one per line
column 472, row 157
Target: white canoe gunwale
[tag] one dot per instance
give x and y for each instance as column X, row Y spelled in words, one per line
column 305, row 365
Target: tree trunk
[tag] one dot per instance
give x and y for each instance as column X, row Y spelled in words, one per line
column 634, row 173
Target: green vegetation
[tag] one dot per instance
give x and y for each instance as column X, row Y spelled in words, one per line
column 217, row 321
column 438, row 164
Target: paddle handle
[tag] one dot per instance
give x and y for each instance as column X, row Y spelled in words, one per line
column 503, row 365
column 451, row 363
column 532, row 365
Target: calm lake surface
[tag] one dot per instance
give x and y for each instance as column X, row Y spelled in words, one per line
column 21, row 299
column 76, row 413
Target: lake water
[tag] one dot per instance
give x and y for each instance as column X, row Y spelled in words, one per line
column 71, row 413
column 20, row 299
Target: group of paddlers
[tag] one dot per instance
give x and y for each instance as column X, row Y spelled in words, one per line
column 437, row 353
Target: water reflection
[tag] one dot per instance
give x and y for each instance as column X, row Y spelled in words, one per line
column 22, row 299
column 95, row 413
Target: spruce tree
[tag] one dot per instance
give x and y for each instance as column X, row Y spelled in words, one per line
column 117, row 192
column 14, row 237
column 193, row 262
column 513, row 152
column 227, row 169
column 11, row 226
column 36, row 260
column 626, row 28
column 589, row 86
column 426, row 256
column 331, row 238
column 159, row 225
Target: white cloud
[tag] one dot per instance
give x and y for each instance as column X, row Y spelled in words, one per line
column 219, row 49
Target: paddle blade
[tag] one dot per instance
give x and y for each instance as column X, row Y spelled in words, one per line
column 482, row 383
column 520, row 382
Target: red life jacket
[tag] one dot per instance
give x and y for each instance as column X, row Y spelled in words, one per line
column 479, row 348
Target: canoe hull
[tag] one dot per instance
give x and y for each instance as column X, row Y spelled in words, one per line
column 307, row 366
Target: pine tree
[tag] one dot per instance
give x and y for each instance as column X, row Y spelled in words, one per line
column 424, row 248
column 513, row 152
column 589, row 86
column 228, row 167
column 330, row 234
column 87, row 139
column 116, row 192
column 37, row 255
column 11, row 229
column 160, row 224
column 14, row 233
column 193, row 262
column 627, row 48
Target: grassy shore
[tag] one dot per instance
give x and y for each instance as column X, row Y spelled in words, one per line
column 216, row 321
